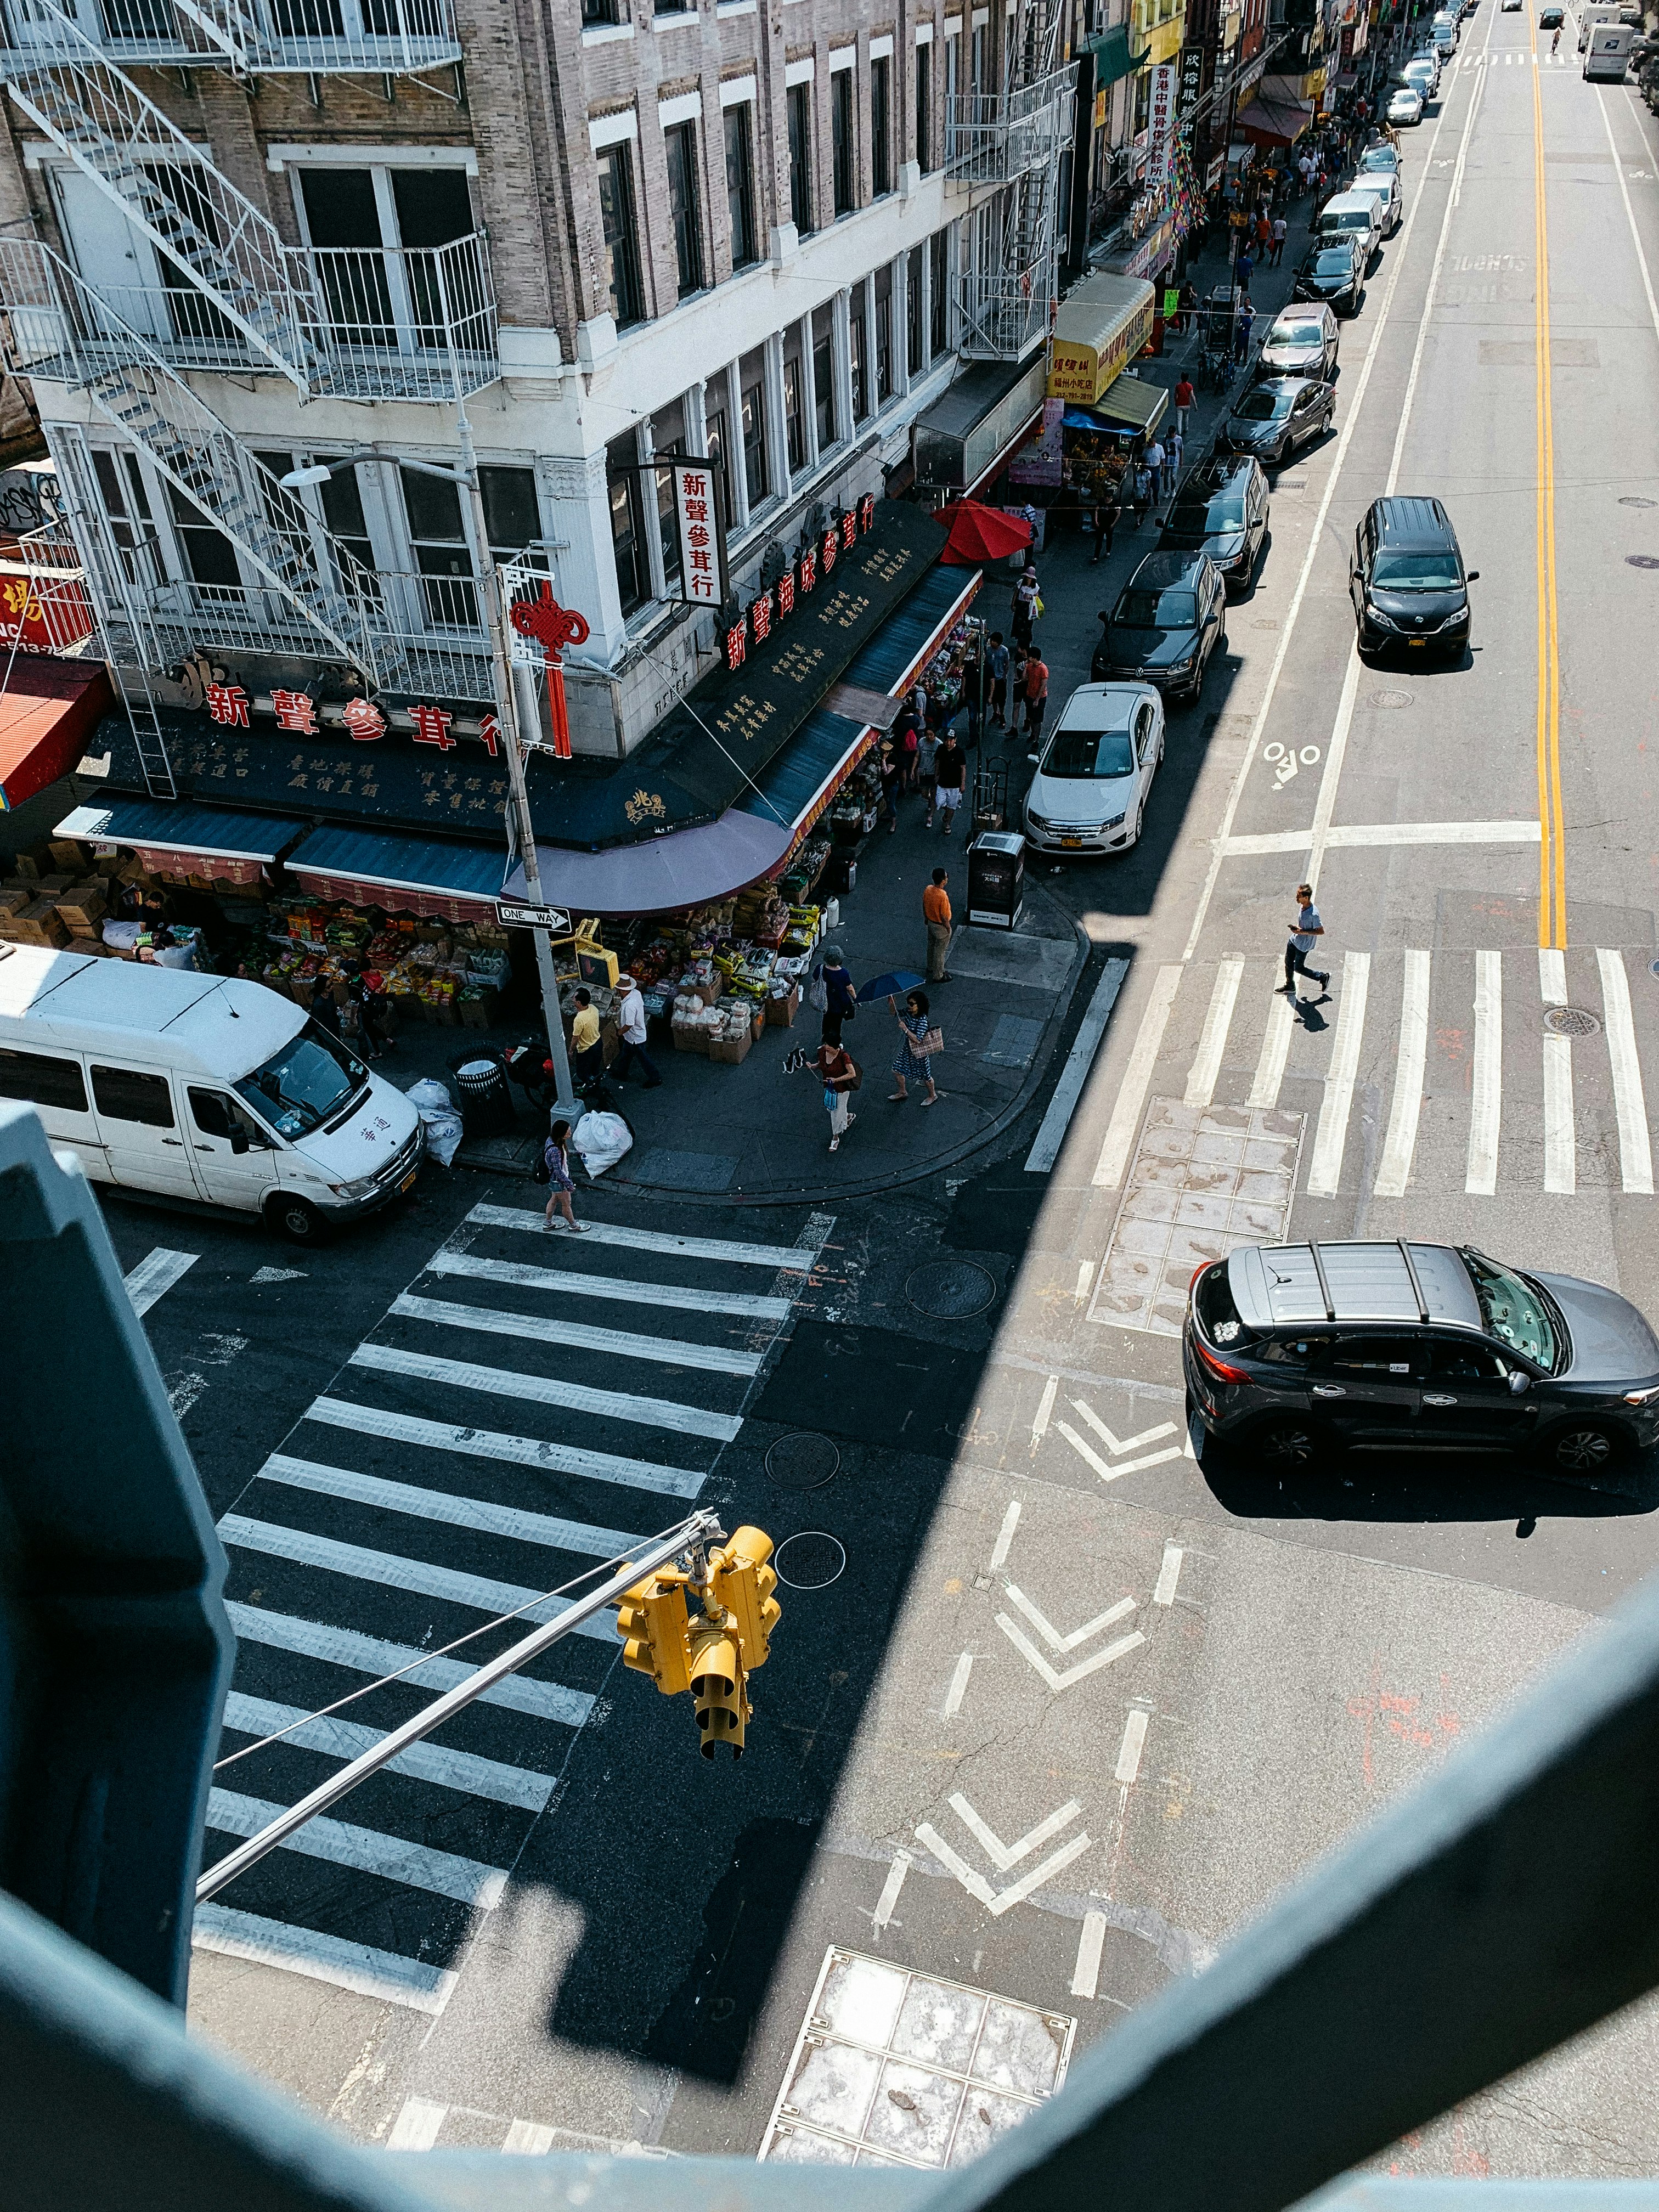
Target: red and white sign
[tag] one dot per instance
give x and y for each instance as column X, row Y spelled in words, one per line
column 701, row 539
column 1160, row 120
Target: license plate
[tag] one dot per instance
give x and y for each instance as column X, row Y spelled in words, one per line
column 408, row 1182
column 1417, row 644
column 1073, row 844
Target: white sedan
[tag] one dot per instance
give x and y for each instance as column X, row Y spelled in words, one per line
column 1095, row 775
column 1407, row 105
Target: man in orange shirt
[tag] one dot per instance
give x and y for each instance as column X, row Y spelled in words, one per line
column 936, row 912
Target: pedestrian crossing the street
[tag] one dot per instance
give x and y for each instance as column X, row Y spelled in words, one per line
column 533, row 1405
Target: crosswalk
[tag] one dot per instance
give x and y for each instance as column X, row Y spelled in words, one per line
column 1517, row 58
column 1477, row 1071
column 499, row 1430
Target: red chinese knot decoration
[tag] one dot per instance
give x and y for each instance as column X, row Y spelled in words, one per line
column 553, row 627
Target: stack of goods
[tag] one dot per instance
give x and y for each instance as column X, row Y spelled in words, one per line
column 734, row 1031
column 695, row 1021
column 760, row 915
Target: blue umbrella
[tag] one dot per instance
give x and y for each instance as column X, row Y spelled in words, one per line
column 890, row 986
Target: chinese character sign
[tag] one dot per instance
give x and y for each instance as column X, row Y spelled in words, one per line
column 1160, row 120
column 364, row 720
column 228, row 703
column 701, row 540
column 296, row 711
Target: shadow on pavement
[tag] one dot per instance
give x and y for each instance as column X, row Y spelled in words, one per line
column 1425, row 1486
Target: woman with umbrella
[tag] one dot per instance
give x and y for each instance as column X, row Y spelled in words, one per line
column 910, row 1060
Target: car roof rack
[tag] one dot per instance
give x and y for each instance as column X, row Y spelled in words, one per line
column 1416, row 1287
column 1324, row 1284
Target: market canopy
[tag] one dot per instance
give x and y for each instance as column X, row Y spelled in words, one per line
column 1274, row 121
column 977, row 533
column 1103, row 323
column 163, row 826
column 1136, row 403
column 48, row 708
column 416, row 875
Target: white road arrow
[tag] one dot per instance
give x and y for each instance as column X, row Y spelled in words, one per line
column 1078, row 1635
column 1086, row 1452
column 1005, row 1855
column 1057, row 1681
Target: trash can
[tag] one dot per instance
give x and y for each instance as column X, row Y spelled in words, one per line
column 996, row 878
column 485, row 1101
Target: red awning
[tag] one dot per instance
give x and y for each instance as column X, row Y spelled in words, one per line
column 1274, row 122
column 979, row 534
column 48, row 710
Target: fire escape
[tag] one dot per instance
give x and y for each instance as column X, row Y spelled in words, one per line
column 415, row 324
column 1005, row 149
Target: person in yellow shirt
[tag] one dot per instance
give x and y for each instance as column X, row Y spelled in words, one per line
column 587, row 1054
column 936, row 913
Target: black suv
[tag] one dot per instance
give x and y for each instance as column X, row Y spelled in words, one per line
column 1407, row 580
column 1221, row 509
column 1299, row 1350
column 1170, row 618
column 1334, row 271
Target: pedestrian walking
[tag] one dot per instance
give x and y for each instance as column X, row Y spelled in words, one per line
column 996, row 662
column 1106, row 514
column 586, row 1053
column 1242, row 270
column 377, row 1014
column 556, row 1158
column 919, row 1041
column 907, row 736
column 951, row 770
column 630, row 1022
column 1281, row 232
column 889, row 769
column 833, row 993
column 1026, row 600
column 1244, row 324
column 1264, row 232
column 1175, row 445
column 936, row 913
column 1155, row 469
column 1036, row 696
column 1184, row 397
column 841, row 1076
column 1305, row 932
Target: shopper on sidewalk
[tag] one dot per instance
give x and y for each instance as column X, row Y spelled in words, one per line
column 1305, row 932
column 586, row 1053
column 1281, row 232
column 1175, row 445
column 631, row 1021
column 839, row 994
column 890, row 771
column 1036, row 697
column 1024, row 605
column 555, row 1155
column 936, row 913
column 1106, row 514
column 1155, row 468
column 950, row 769
column 1184, row 398
column 907, row 736
column 996, row 667
column 838, row 1071
column 926, row 760
column 911, row 1062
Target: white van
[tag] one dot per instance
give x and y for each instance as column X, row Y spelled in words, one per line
column 1592, row 13
column 1353, row 215
column 201, row 1089
column 1609, row 53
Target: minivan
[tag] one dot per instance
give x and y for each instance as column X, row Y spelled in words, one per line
column 1407, row 580
column 205, row 1090
column 1352, row 214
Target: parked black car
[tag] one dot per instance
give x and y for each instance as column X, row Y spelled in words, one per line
column 1334, row 271
column 1407, row 580
column 1278, row 415
column 1298, row 1350
column 1170, row 618
column 1221, row 509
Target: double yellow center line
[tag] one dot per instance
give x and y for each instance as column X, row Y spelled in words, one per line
column 1553, row 845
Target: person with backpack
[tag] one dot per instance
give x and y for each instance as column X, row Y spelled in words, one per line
column 555, row 1158
column 1027, row 603
column 834, row 994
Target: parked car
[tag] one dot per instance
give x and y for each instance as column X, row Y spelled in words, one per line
column 1093, row 777
column 1279, row 415
column 1351, row 214
column 1222, row 510
column 1298, row 1350
column 1170, row 618
column 1383, row 155
column 1303, row 342
column 1422, row 74
column 1334, row 272
column 1383, row 184
column 1407, row 580
column 1405, row 106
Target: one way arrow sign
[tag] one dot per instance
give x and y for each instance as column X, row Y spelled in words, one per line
column 533, row 917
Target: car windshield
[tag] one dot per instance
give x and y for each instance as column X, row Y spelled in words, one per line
column 1513, row 1312
column 1079, row 756
column 1295, row 334
column 299, row 1088
column 1416, row 572
column 1349, row 219
column 1335, row 261
column 1224, row 512
column 1152, row 610
column 1260, row 406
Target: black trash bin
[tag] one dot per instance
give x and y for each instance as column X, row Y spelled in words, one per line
column 486, row 1103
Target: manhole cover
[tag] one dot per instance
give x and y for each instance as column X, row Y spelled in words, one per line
column 802, row 1461
column 1631, row 501
column 950, row 1290
column 1642, row 560
column 1653, row 967
column 810, row 1561
column 1391, row 698
column 1571, row 1021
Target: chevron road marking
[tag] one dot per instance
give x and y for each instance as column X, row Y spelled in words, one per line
column 1064, row 1643
column 1056, row 1682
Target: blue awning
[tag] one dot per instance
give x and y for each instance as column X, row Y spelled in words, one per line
column 175, row 826
column 386, row 862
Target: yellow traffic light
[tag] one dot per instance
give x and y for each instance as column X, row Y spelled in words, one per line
column 717, row 1687
column 742, row 1585
column 653, row 1620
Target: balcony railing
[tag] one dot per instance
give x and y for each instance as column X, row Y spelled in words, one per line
column 321, row 38
column 992, row 137
column 1004, row 311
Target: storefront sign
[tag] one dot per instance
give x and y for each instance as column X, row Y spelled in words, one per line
column 46, row 612
column 773, row 607
column 1160, row 121
column 1042, row 461
column 702, row 581
column 1192, row 75
column 535, row 917
column 1084, row 362
column 1149, row 256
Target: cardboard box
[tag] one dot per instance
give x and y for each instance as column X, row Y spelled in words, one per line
column 40, row 923
column 82, row 908
column 731, row 1050
column 474, row 1013
column 54, row 885
column 691, row 1037
column 13, row 901
column 780, row 1012
column 66, row 853
column 35, row 863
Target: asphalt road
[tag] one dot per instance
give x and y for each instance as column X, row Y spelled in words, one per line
column 1074, row 1708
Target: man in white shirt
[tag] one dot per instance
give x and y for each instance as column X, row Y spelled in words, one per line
column 1305, row 932
column 1155, row 463
column 631, row 1021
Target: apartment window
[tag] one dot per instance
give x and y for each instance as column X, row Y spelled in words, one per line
column 881, row 126
column 627, row 524
column 823, row 375
column 800, row 157
column 752, row 398
column 668, row 437
column 914, row 267
column 840, row 137
column 131, row 524
column 740, row 187
column 681, row 144
column 443, row 559
column 717, row 435
column 924, row 108
column 939, row 247
column 884, row 334
column 375, row 228
column 512, row 513
column 209, row 553
column 598, row 11
column 343, row 512
column 280, row 507
column 795, row 408
column 976, row 62
column 620, row 235
column 858, row 350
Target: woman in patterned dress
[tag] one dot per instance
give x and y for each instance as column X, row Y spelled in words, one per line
column 914, row 1025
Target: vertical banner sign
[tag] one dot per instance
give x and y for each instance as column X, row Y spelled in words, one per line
column 701, row 535
column 1160, row 121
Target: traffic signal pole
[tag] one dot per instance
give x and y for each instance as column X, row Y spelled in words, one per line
column 698, row 1529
